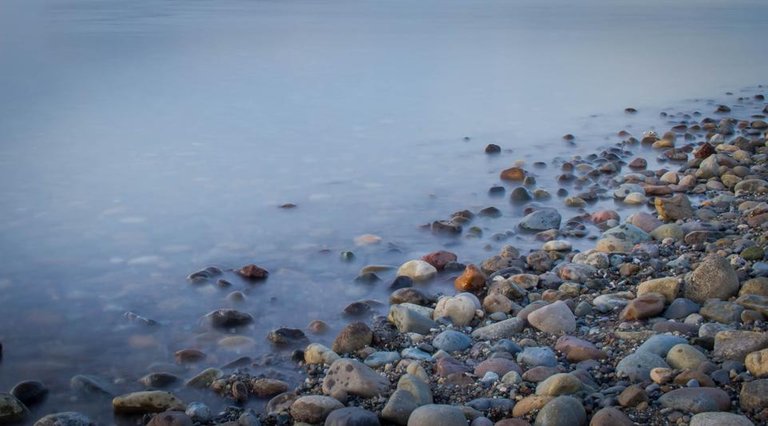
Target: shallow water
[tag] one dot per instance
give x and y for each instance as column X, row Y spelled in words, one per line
column 143, row 140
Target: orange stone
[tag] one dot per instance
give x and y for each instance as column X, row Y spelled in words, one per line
column 471, row 280
column 642, row 307
column 513, row 173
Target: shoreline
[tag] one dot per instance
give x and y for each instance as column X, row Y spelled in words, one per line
column 503, row 357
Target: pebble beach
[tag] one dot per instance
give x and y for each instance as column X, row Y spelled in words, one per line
column 653, row 313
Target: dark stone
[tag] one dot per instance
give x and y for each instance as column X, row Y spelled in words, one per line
column 443, row 227
column 284, row 336
column 253, row 272
column 492, row 149
column 30, row 392
column 352, row 416
column 228, row 318
column 367, row 278
column 170, row 418
column 497, row 191
column 401, row 282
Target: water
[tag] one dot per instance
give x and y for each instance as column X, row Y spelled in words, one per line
column 143, row 140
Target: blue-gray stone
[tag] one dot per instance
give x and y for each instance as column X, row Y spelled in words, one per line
column 452, row 341
column 637, row 366
column 660, row 344
column 415, row 353
column 537, row 356
column 681, row 308
column 377, row 359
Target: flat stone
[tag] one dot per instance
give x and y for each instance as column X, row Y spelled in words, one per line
column 577, row 350
column 452, row 341
column 696, row 400
column 417, row 270
column 68, row 418
column 669, row 287
column 715, row 418
column 410, row 321
column 352, row 416
column 559, row 384
column 610, row 416
column 756, row 302
column 660, row 344
column 541, row 220
column 537, row 356
column 354, row 378
column 684, row 356
column 757, row 363
column 378, row 359
column 204, row 378
column 562, row 411
column 500, row 366
column 146, row 402
column 722, row 311
column 737, row 344
column 646, row 306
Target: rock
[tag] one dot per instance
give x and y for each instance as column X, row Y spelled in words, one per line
column 90, row 385
column 452, row 341
column 418, row 388
column 557, row 245
column 559, row 384
column 513, row 174
column 435, row 414
column 409, row 320
column 496, row 302
column 674, row 208
column 575, row 272
column 758, row 285
column 170, row 418
column 354, row 378
column 685, row 356
column 660, row 344
column 755, row 186
column 280, row 403
column 555, row 318
column 399, row 407
column 68, row 418
column 577, row 350
column 352, row 416
column 644, row 221
column 668, row 286
column 439, row 259
column 265, row 387
column 417, row 270
column 632, row 396
column 719, row 419
column 537, row 356
column 499, row 330
column 447, row 366
column 757, row 363
column 29, row 392
column 610, row 416
column 637, row 366
column 721, row 311
column 520, row 195
column 562, row 411
column 189, row 356
column 500, row 366
column 11, row 409
column 227, row 318
column 646, row 306
column 709, row 168
column 753, row 301
column 146, row 402
column 378, row 359
column 681, row 308
column 253, row 272
column 316, row 353
column 754, row 395
column 696, row 400
column 737, row 344
column 314, row 408
column 204, row 378
column 609, row 302
column 541, row 220
column 460, row 309
column 352, row 338
column 472, row 280
column 199, row 412
column 714, row 278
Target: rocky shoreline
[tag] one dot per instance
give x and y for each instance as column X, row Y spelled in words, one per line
column 662, row 321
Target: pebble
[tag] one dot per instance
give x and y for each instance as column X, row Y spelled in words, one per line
column 11, row 409
column 30, row 392
column 610, row 416
column 146, row 402
column 314, row 408
column 67, row 418
column 559, row 384
column 452, row 341
column 714, row 278
column 737, row 344
column 719, row 419
column 408, row 320
column 354, row 378
column 637, row 366
column 562, row 411
column 352, row 416
column 555, row 318
column 170, row 418
column 435, row 414
column 754, row 395
column 460, row 309
column 316, row 353
column 541, row 220
column 352, row 338
column 198, row 412
column 417, row 270
column 696, row 400
column 537, row 356
column 378, row 359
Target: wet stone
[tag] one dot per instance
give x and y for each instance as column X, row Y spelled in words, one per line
column 285, row 336
column 11, row 409
column 696, row 400
column 170, row 418
column 68, row 418
column 30, row 392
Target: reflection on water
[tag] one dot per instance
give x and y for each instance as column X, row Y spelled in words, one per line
column 143, row 140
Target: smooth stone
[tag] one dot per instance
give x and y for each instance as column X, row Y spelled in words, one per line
column 609, row 302
column 562, row 411
column 660, row 344
column 757, row 363
column 378, row 359
column 645, row 221
column 555, row 318
column 352, row 416
column 537, row 356
column 735, row 345
column 415, row 353
column 681, row 308
column 314, row 408
column 646, row 306
column 199, row 412
column 452, row 341
column 439, row 259
column 637, row 366
column 559, row 384
column 557, row 245
column 286, row 336
column 684, row 356
column 669, row 287
column 67, row 418
column 674, row 208
column 409, row 295
column 721, row 311
column 758, row 286
column 418, row 388
column 354, row 378
column 227, row 318
column 460, row 309
column 541, row 220
column 316, row 353
column 696, row 400
column 11, row 409
column 495, row 302
column 719, row 419
column 408, row 320
column 204, row 378
column 417, row 270
column 146, row 402
column 500, row 366
column 577, row 350
column 170, row 418
column 352, row 338
column 610, row 416
column 472, row 280
column 399, row 407
column 29, row 392
column 714, row 278
column 436, row 414
column 90, row 385
column 499, row 330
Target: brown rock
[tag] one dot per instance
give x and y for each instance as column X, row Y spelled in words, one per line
column 610, row 416
column 264, row 388
column 577, row 350
column 500, row 366
column 704, row 151
column 447, row 366
column 754, row 395
column 187, row 356
column 687, row 375
column 632, row 396
column 645, row 306
column 513, row 174
column 674, row 208
column 253, row 272
column 497, row 303
column 472, row 280
column 530, row 403
column 638, row 163
column 170, row 418
column 352, row 338
column 439, row 259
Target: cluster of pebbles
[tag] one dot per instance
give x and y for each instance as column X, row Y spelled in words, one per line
column 661, row 321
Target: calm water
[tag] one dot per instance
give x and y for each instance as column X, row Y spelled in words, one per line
column 142, row 140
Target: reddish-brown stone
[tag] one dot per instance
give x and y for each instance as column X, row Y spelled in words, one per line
column 439, row 259
column 471, row 280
